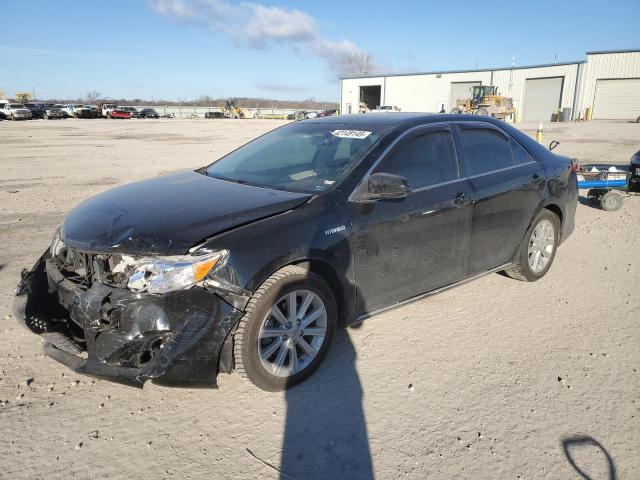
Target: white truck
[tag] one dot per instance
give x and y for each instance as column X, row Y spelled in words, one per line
column 106, row 109
column 14, row 111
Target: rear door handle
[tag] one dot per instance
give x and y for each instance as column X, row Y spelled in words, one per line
column 535, row 179
column 462, row 200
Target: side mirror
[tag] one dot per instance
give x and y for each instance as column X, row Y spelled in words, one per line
column 387, row 185
column 553, row 144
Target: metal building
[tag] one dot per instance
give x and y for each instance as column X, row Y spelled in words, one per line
column 607, row 83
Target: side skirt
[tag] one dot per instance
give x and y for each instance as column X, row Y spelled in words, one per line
column 368, row 315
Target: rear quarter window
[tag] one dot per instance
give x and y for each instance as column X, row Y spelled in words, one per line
column 485, row 150
column 520, row 155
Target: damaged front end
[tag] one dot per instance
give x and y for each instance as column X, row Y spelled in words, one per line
column 130, row 320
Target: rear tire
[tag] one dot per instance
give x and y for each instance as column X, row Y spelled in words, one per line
column 483, row 112
column 538, row 249
column 257, row 332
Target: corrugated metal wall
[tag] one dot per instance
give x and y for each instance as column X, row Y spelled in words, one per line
column 512, row 83
column 350, row 97
column 426, row 92
column 607, row 66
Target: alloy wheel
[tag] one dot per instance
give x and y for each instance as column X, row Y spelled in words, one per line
column 292, row 333
column 541, row 246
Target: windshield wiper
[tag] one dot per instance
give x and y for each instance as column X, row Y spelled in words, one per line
column 234, row 180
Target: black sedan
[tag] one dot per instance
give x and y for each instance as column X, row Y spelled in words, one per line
column 148, row 113
column 251, row 263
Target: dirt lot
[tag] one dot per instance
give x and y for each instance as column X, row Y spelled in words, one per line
column 496, row 379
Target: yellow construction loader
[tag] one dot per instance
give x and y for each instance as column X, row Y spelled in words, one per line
column 485, row 101
column 232, row 110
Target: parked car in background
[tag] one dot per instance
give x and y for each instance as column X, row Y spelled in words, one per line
column 149, row 113
column 62, row 108
column 36, row 109
column 327, row 113
column 14, row 111
column 79, row 111
column 125, row 112
column 52, row 111
column 386, row 109
column 311, row 115
column 169, row 280
column 301, row 115
column 106, row 109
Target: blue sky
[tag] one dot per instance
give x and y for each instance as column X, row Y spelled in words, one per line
column 180, row 49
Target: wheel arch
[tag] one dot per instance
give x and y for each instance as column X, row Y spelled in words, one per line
column 328, row 273
column 555, row 208
column 550, row 205
column 344, row 296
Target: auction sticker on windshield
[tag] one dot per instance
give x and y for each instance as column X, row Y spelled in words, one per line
column 350, row 133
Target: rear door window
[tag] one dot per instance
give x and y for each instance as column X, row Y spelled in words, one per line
column 424, row 160
column 485, row 150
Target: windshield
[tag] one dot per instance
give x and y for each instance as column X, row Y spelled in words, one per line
column 299, row 157
column 16, row 105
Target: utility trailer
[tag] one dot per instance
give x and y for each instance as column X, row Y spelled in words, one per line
column 606, row 185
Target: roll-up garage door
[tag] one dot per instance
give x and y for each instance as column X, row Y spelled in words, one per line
column 541, row 98
column 617, row 99
column 460, row 90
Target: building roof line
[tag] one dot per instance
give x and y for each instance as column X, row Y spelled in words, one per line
column 482, row 70
column 603, row 52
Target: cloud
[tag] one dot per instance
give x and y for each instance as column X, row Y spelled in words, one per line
column 253, row 25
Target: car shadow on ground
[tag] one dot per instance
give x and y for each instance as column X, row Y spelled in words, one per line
column 588, row 203
column 325, row 431
column 572, row 445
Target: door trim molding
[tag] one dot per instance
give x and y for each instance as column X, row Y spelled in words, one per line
column 368, row 315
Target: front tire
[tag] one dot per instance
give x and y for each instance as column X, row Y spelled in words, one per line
column 287, row 329
column 538, row 248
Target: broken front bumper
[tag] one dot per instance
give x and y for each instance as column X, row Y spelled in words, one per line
column 180, row 338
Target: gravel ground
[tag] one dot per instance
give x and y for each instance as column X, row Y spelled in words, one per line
column 495, row 379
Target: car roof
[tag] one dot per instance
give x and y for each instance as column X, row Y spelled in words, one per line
column 400, row 119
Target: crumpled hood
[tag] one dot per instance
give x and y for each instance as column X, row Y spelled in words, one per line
column 168, row 215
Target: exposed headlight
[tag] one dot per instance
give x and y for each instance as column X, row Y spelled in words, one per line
column 167, row 274
column 57, row 245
